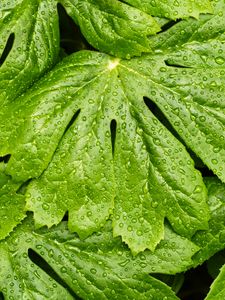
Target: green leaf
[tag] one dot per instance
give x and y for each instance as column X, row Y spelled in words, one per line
column 12, row 205
column 195, row 57
column 93, row 179
column 99, row 267
column 217, row 290
column 173, row 9
column 215, row 263
column 122, row 30
column 29, row 43
column 29, row 36
column 112, row 26
column 213, row 239
column 195, row 42
column 85, row 177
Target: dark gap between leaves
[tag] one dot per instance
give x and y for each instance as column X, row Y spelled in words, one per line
column 71, row 38
column 22, row 189
column 169, row 25
column 196, row 284
column 163, row 119
column 1, row 296
column 75, row 116
column 41, row 263
column 5, row 158
column 113, row 126
column 65, row 217
column 8, row 48
column 174, row 281
column 175, row 65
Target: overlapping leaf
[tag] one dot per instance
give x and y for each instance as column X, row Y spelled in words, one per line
column 112, row 26
column 173, row 9
column 217, row 290
column 29, row 44
column 29, row 37
column 212, row 240
column 122, row 30
column 12, row 205
column 99, row 267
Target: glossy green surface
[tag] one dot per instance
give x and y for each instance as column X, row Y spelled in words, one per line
column 99, row 267
column 115, row 139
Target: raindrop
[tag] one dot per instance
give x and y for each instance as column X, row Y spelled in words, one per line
column 216, row 149
column 214, row 161
column 154, row 204
column 50, row 253
column 198, row 189
column 130, row 228
column 219, row 60
column 63, row 270
column 45, row 206
column 202, row 118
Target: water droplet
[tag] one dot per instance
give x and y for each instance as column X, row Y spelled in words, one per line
column 143, row 264
column 156, row 142
column 130, row 228
column 139, row 233
column 214, row 161
column 216, row 149
column 202, row 118
column 63, row 269
column 219, row 60
column 198, row 189
column 124, row 263
column 154, row 204
column 93, row 271
column 45, row 206
column 50, row 253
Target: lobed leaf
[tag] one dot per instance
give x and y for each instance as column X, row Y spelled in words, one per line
column 195, row 57
column 85, row 176
column 29, row 44
column 100, row 267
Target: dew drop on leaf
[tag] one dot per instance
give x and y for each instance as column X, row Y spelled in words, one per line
column 214, row 161
column 45, row 206
column 198, row 189
column 93, row 271
column 219, row 60
column 63, row 270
